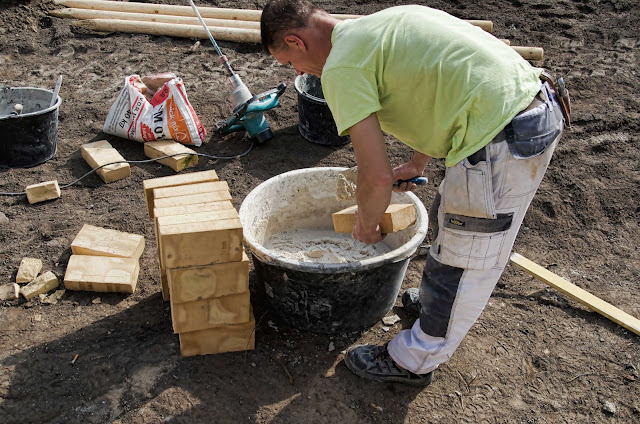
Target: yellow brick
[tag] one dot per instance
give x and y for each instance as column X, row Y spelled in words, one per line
column 174, row 180
column 200, row 243
column 203, row 282
column 98, row 241
column 42, row 284
column 397, row 217
column 101, row 274
column 100, row 153
column 212, row 312
column 43, row 191
column 192, row 199
column 28, row 270
column 228, row 338
column 197, row 188
column 195, row 208
column 158, row 149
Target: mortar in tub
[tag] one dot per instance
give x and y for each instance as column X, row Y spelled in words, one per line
column 323, row 297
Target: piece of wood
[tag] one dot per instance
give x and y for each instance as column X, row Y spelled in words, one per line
column 41, row 192
column 101, row 274
column 203, row 282
column 98, row 241
column 200, row 243
column 174, row 180
column 42, row 284
column 205, row 12
column 207, row 313
column 148, row 17
column 624, row 319
column 241, row 35
column 397, row 217
column 228, row 338
column 180, row 162
column 193, row 199
column 529, row 53
column 28, row 270
column 101, row 153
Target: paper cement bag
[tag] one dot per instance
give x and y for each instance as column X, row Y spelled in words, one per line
column 154, row 108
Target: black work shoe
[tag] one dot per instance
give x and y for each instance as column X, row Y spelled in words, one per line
column 374, row 363
column 411, row 301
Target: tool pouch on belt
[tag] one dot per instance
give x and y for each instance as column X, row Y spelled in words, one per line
column 561, row 93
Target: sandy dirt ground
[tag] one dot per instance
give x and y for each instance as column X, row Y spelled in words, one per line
column 534, row 356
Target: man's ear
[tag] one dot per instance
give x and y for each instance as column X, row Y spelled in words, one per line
column 295, row 42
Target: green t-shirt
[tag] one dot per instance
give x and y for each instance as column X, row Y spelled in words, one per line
column 437, row 83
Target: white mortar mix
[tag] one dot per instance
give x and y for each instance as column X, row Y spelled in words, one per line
column 322, row 246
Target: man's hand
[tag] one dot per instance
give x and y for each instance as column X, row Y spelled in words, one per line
column 366, row 235
column 414, row 168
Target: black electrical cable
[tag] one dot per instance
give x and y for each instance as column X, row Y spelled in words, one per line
column 141, row 161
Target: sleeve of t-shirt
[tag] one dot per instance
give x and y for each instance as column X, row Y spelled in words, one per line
column 351, row 94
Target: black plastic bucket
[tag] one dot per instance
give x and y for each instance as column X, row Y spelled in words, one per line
column 316, row 122
column 28, row 135
column 322, row 297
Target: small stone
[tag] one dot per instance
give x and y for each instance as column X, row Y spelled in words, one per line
column 385, row 329
column 96, row 301
column 28, row 270
column 9, row 291
column 331, row 347
column 391, row 319
column 272, row 325
column 37, row 317
column 609, row 407
column 3, row 219
column 42, row 284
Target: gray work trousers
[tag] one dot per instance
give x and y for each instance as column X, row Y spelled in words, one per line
column 480, row 205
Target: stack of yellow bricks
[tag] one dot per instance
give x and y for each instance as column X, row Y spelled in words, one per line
column 203, row 267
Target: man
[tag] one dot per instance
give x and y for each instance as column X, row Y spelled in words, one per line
column 448, row 90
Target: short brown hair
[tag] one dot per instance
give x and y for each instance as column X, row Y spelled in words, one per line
column 279, row 16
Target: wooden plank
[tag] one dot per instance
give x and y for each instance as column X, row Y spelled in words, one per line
column 397, row 217
column 624, row 319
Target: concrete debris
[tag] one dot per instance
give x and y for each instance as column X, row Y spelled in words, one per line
column 391, row 319
column 96, row 301
column 42, row 284
column 609, row 407
column 332, row 347
column 9, row 291
column 385, row 329
column 3, row 219
column 28, row 270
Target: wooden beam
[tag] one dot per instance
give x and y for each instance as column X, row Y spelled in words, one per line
column 205, row 12
column 624, row 319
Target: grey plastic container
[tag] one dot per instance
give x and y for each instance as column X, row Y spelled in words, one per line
column 29, row 138
column 322, row 297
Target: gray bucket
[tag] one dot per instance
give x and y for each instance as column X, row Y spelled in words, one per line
column 316, row 122
column 322, row 297
column 27, row 137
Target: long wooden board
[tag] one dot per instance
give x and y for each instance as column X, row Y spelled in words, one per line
column 593, row 302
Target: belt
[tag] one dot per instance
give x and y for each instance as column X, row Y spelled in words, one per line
column 537, row 101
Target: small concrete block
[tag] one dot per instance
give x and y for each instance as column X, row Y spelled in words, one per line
column 42, row 284
column 213, row 312
column 28, row 270
column 43, row 191
column 195, row 208
column 98, row 241
column 228, row 338
column 192, row 199
column 100, row 153
column 198, row 188
column 204, row 282
column 9, row 291
column 101, row 274
column 174, row 180
column 397, row 217
column 158, row 149
column 200, row 243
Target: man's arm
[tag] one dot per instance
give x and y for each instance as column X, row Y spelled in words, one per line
column 373, row 190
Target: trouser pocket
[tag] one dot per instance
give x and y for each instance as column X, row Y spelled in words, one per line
column 467, row 189
column 472, row 243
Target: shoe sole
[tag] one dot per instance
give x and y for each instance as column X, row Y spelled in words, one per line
column 360, row 373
